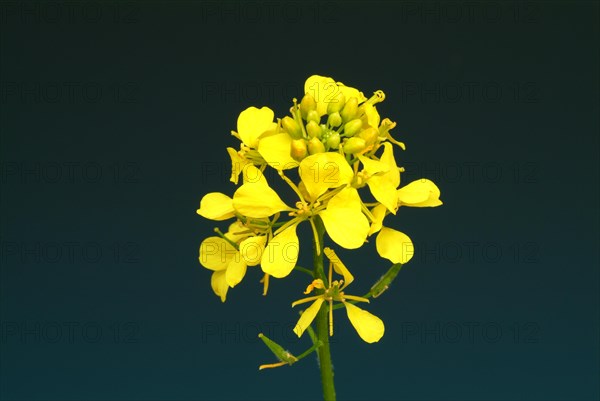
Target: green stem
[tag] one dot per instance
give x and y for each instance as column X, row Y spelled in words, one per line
column 322, row 320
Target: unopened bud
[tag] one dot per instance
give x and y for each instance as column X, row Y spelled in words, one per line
column 307, row 104
column 353, row 127
column 350, row 109
column 354, row 145
column 291, row 127
column 315, row 146
column 299, row 150
column 334, row 120
column 336, row 103
column 333, row 142
column 369, row 135
column 313, row 129
column 313, row 116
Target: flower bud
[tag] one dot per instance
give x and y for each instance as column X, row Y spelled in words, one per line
column 369, row 135
column 313, row 129
column 333, row 142
column 291, row 127
column 299, row 150
column 350, row 109
column 334, row 120
column 315, row 146
column 336, row 103
column 307, row 104
column 354, row 145
column 313, row 116
column 352, row 127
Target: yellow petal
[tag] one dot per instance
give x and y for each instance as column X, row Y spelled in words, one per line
column 275, row 149
column 255, row 198
column 372, row 115
column 308, row 316
column 378, row 213
column 387, row 158
column 383, row 185
column 238, row 163
column 216, row 253
column 339, row 266
column 323, row 89
column 394, row 245
column 252, row 249
column 368, row 326
column 253, row 122
column 344, row 221
column 322, row 171
column 351, row 92
column 216, row 206
column 219, row 284
column 281, row 254
column 236, row 270
column 253, row 174
column 373, row 167
column 419, row 193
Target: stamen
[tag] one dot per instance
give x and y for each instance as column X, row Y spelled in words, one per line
column 305, row 300
column 331, row 318
column 293, row 186
column 265, row 281
column 355, row 298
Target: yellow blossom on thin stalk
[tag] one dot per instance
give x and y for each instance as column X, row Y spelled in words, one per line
column 369, row 327
column 337, row 155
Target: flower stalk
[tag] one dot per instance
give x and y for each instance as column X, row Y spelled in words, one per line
column 322, row 319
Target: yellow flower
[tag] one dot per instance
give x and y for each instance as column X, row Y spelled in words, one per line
column 254, row 122
column 230, row 256
column 325, row 178
column 368, row 326
column 262, row 141
column 394, row 245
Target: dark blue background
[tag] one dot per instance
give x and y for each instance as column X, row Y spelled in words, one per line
column 114, row 123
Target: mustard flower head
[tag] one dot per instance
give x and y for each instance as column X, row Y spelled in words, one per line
column 339, row 158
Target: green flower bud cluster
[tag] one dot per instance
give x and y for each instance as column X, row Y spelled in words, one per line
column 345, row 126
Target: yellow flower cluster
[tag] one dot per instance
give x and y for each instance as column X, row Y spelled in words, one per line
column 338, row 144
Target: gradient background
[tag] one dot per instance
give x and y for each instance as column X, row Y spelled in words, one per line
column 114, row 122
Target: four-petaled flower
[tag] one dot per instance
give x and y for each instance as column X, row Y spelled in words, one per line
column 368, row 326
